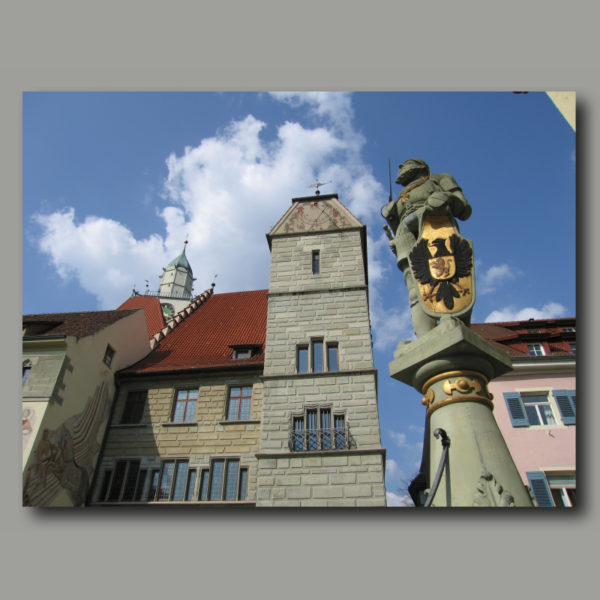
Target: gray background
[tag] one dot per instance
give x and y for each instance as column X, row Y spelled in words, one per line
column 513, row 45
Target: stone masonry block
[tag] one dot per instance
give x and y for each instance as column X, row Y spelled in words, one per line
column 278, row 493
column 328, row 492
column 341, row 503
column 345, row 479
column 371, row 459
column 315, row 479
column 356, row 491
column 312, row 461
column 335, row 461
column 267, row 463
column 370, row 502
column 370, row 477
column 298, row 493
column 289, row 480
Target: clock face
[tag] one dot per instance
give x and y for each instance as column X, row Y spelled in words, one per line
column 168, row 311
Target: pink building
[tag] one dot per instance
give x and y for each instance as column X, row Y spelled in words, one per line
column 535, row 405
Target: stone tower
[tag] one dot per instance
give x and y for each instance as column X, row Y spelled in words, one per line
column 320, row 441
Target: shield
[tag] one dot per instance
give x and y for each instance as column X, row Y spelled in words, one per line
column 442, row 263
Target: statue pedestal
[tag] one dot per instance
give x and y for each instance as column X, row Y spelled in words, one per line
column 452, row 366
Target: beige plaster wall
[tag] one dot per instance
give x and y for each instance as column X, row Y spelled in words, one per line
column 79, row 397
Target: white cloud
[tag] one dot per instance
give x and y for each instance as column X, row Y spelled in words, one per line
column 401, row 501
column 393, row 470
column 551, row 310
column 416, row 429
column 489, row 280
column 226, row 193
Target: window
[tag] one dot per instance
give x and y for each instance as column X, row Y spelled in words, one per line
column 125, row 484
column 550, row 490
column 108, row 356
column 238, row 408
column 539, row 410
column 534, row 331
column 134, row 408
column 568, row 329
column 175, row 482
column 332, row 357
column 242, row 353
column 302, row 359
column 314, row 431
column 563, row 489
column 317, row 356
column 535, row 349
column 316, row 263
column 26, row 370
column 185, row 406
column 225, row 480
column 573, row 347
column 527, row 410
column 322, row 357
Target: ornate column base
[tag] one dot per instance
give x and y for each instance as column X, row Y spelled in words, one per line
column 452, row 367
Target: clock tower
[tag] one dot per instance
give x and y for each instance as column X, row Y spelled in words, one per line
column 176, row 282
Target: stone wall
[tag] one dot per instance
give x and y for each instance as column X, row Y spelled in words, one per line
column 341, row 262
column 311, row 479
column 330, row 307
column 340, row 317
column 210, row 436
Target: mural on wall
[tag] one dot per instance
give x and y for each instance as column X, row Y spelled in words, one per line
column 63, row 457
column 317, row 216
column 29, row 418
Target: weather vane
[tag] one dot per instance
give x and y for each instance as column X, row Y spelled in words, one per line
column 318, row 185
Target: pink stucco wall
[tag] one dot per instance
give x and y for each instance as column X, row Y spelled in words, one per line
column 540, row 447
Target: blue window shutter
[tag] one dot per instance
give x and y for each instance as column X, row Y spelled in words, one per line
column 540, row 489
column 516, row 410
column 566, row 404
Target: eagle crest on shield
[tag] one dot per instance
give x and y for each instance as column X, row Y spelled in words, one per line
column 442, row 269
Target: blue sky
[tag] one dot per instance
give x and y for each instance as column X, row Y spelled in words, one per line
column 113, row 183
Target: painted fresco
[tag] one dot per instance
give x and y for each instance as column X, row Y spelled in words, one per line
column 63, row 458
column 29, row 418
column 317, row 216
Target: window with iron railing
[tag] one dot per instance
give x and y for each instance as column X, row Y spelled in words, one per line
column 316, row 431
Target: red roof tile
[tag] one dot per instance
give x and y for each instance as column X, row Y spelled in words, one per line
column 78, row 324
column 492, row 331
column 204, row 338
column 151, row 305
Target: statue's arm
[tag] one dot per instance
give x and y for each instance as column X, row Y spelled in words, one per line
column 459, row 206
column 390, row 214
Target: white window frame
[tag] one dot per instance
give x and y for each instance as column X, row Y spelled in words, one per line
column 535, row 353
column 548, row 402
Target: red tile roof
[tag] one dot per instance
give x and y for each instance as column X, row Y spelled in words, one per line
column 203, row 340
column 78, row 324
column 492, row 331
column 151, row 305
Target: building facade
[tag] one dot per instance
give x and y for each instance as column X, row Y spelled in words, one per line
column 69, row 361
column 263, row 398
column 535, row 404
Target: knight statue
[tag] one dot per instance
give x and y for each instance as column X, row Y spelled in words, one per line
column 436, row 261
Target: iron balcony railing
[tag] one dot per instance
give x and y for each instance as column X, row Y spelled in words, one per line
column 183, row 295
column 307, row 440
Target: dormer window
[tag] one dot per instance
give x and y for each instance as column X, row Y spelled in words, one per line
column 241, row 352
column 534, row 330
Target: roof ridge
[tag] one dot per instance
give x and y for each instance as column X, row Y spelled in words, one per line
column 180, row 316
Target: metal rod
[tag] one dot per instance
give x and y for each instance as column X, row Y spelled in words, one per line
column 438, row 476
